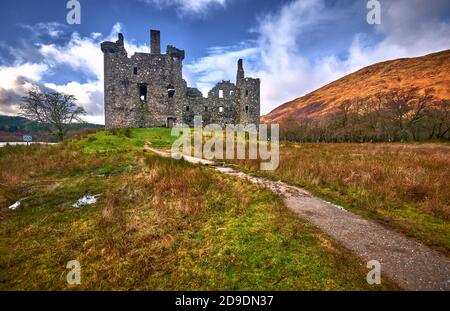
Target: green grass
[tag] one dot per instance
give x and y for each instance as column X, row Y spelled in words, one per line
column 159, row 224
column 125, row 140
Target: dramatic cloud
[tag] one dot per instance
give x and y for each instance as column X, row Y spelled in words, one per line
column 15, row 81
column 408, row 29
column 190, row 6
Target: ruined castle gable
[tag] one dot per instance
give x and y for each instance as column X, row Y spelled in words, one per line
column 148, row 90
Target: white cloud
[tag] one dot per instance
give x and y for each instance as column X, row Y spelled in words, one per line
column 80, row 54
column 89, row 96
column 188, row 6
column 15, row 81
column 52, row 29
column 10, row 75
column 220, row 64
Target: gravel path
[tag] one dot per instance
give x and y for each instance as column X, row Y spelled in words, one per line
column 410, row 264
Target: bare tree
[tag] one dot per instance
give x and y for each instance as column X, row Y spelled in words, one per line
column 438, row 119
column 405, row 109
column 418, row 113
column 53, row 109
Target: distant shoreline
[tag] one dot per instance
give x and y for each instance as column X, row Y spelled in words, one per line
column 3, row 144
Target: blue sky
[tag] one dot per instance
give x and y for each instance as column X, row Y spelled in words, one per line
column 294, row 46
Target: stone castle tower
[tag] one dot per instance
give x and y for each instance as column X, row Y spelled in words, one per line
column 148, row 90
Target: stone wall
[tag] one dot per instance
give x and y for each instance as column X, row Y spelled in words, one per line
column 249, row 99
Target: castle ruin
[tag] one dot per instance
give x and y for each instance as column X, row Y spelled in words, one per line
column 148, row 90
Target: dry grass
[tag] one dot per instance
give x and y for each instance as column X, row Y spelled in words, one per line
column 37, row 160
column 405, row 186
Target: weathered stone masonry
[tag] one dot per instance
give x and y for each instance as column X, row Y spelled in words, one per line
column 148, row 90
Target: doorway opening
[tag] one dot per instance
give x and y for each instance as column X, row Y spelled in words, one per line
column 171, row 122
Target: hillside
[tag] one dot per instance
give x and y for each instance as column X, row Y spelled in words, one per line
column 430, row 71
column 12, row 129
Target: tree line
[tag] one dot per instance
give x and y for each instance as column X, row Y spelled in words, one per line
column 397, row 115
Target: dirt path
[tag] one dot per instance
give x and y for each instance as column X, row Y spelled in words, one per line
column 410, row 264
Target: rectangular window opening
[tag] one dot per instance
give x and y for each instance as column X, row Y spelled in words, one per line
column 143, row 92
column 135, row 70
column 220, row 93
